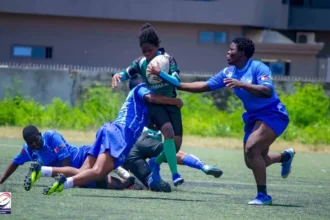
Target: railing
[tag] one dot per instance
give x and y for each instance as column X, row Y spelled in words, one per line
column 71, row 68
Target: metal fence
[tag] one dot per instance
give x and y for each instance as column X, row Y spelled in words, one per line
column 71, row 68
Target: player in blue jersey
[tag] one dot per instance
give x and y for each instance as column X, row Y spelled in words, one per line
column 50, row 150
column 265, row 118
column 114, row 140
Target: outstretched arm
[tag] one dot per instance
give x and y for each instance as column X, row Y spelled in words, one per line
column 214, row 83
column 9, row 171
column 195, row 87
column 130, row 71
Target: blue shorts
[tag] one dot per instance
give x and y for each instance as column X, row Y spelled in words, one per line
column 274, row 115
column 115, row 138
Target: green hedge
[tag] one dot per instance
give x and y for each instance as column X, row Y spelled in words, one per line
column 308, row 108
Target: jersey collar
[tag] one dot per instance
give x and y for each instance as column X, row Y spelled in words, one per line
column 245, row 67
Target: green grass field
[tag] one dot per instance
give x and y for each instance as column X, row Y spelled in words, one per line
column 305, row 194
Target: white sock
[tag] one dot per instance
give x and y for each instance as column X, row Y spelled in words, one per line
column 46, row 171
column 68, row 183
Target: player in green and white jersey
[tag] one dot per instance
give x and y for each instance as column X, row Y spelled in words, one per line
column 166, row 118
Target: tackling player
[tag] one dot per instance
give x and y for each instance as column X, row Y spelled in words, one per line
column 114, row 140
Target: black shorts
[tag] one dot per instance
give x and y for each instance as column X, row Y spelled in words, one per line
column 162, row 114
column 145, row 147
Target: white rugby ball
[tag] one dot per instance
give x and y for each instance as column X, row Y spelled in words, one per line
column 164, row 65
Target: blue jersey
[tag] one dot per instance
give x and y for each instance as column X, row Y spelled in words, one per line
column 133, row 113
column 255, row 72
column 53, row 152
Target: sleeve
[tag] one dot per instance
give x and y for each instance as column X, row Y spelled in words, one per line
column 174, row 69
column 263, row 75
column 132, row 70
column 59, row 146
column 22, row 157
column 143, row 91
column 216, row 81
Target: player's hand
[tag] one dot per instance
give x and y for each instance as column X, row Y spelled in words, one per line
column 233, row 83
column 155, row 70
column 179, row 103
column 115, row 80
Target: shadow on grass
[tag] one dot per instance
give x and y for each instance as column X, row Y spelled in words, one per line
column 286, row 205
column 137, row 197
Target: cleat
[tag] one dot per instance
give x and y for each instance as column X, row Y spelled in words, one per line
column 57, row 186
column 286, row 166
column 161, row 186
column 32, row 176
column 261, row 199
column 177, row 179
column 212, row 170
column 155, row 168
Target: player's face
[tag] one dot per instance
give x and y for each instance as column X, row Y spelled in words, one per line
column 233, row 54
column 35, row 142
column 149, row 51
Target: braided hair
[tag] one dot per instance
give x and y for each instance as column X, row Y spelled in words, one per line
column 148, row 35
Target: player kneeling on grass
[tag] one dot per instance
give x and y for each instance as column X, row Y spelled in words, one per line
column 150, row 145
column 114, row 140
column 51, row 149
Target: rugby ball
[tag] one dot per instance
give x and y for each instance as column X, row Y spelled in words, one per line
column 164, row 65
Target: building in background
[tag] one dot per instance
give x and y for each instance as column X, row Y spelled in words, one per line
column 292, row 37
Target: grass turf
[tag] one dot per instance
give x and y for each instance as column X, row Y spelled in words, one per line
column 305, row 194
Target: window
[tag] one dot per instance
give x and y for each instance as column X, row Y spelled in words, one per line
column 220, row 37
column 212, row 37
column 278, row 68
column 297, row 3
column 36, row 52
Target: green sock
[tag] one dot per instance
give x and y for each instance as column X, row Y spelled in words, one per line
column 160, row 158
column 170, row 153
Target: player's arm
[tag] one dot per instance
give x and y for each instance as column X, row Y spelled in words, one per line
column 163, row 100
column 151, row 97
column 264, row 87
column 214, row 83
column 60, row 149
column 8, row 172
column 130, row 71
column 20, row 159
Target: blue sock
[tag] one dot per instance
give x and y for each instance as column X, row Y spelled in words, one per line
column 192, row 161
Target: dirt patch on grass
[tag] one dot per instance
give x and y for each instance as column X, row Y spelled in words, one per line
column 88, row 137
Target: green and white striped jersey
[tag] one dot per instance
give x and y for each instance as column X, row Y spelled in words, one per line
column 139, row 66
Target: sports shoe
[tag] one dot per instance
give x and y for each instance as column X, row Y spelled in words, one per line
column 177, row 179
column 32, row 176
column 156, row 186
column 155, row 168
column 57, row 186
column 286, row 166
column 122, row 173
column 261, row 199
column 212, row 170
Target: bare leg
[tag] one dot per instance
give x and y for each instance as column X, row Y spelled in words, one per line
column 71, row 171
column 258, row 142
column 103, row 166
